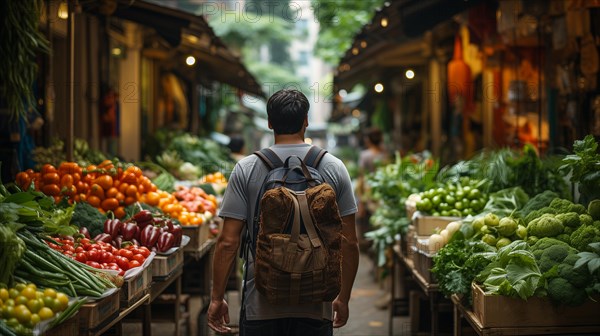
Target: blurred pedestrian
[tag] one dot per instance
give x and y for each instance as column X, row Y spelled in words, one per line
column 236, row 146
column 369, row 159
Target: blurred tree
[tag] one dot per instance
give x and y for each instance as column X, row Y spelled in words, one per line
column 339, row 22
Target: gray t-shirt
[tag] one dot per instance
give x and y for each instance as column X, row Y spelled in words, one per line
column 239, row 202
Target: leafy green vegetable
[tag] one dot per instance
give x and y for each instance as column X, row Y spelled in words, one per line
column 390, row 186
column 458, row 263
column 506, row 201
column 87, row 216
column 11, row 246
column 537, row 202
column 591, row 259
column 584, row 166
column 513, row 272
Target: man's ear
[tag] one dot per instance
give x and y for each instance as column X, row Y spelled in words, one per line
column 306, row 122
column 269, row 125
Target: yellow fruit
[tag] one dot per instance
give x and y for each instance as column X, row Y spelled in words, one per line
column 45, row 313
column 50, row 292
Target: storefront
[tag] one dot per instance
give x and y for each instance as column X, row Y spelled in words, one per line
column 487, row 74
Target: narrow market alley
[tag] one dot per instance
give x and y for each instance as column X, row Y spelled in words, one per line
column 366, row 319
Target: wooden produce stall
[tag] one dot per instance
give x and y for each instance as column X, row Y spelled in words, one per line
column 415, row 261
column 500, row 315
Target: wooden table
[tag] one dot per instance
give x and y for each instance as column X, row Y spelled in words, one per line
column 203, row 256
column 431, row 290
column 460, row 312
column 122, row 314
column 156, row 289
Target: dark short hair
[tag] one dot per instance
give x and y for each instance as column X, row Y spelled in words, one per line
column 236, row 143
column 374, row 135
column 287, row 110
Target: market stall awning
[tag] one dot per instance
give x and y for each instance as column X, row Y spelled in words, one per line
column 396, row 38
column 191, row 34
column 418, row 16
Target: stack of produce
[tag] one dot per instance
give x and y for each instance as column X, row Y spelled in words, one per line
column 547, row 245
column 454, row 199
column 24, row 306
column 217, row 181
column 108, row 187
column 390, row 186
column 145, row 229
column 188, row 212
column 99, row 254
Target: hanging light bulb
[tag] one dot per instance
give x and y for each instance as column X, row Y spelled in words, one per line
column 63, row 10
column 410, row 74
column 378, row 88
column 384, row 22
column 190, row 60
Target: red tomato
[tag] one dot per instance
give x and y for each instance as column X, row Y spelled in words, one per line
column 143, row 250
column 93, row 255
column 68, row 253
column 79, row 249
column 67, row 247
column 81, row 257
column 84, row 241
column 53, row 246
column 134, row 263
column 139, row 258
column 126, row 253
column 107, row 257
column 122, row 262
column 93, row 264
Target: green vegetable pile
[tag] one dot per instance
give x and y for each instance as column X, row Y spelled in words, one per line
column 458, row 199
column 390, row 186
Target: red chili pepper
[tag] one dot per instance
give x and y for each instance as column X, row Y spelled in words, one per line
column 149, row 235
column 130, row 230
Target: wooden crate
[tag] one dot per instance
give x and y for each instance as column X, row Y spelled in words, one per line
column 426, row 225
column 423, row 265
column 411, row 205
column 496, row 311
column 93, row 314
column 198, row 234
column 162, row 266
column 69, row 327
column 136, row 287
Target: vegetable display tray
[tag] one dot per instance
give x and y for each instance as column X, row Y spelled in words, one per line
column 496, row 311
column 135, row 287
column 93, row 314
column 163, row 266
column 198, row 234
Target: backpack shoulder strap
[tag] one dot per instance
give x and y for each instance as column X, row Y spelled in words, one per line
column 314, row 156
column 269, row 158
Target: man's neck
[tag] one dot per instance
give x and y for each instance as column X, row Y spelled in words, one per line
column 289, row 139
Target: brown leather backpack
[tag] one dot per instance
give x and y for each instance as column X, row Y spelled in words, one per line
column 298, row 243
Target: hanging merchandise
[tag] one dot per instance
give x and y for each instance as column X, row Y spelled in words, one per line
column 460, row 92
column 589, row 62
column 596, row 116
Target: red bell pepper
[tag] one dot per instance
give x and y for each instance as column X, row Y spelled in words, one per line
column 84, row 231
column 113, row 227
column 149, row 235
column 130, row 230
column 103, row 237
column 143, row 218
column 177, row 231
column 165, row 242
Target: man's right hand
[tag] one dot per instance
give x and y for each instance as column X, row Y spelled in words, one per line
column 218, row 316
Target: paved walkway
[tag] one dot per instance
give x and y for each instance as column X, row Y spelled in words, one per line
column 365, row 318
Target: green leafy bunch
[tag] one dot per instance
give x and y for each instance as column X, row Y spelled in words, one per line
column 584, row 166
